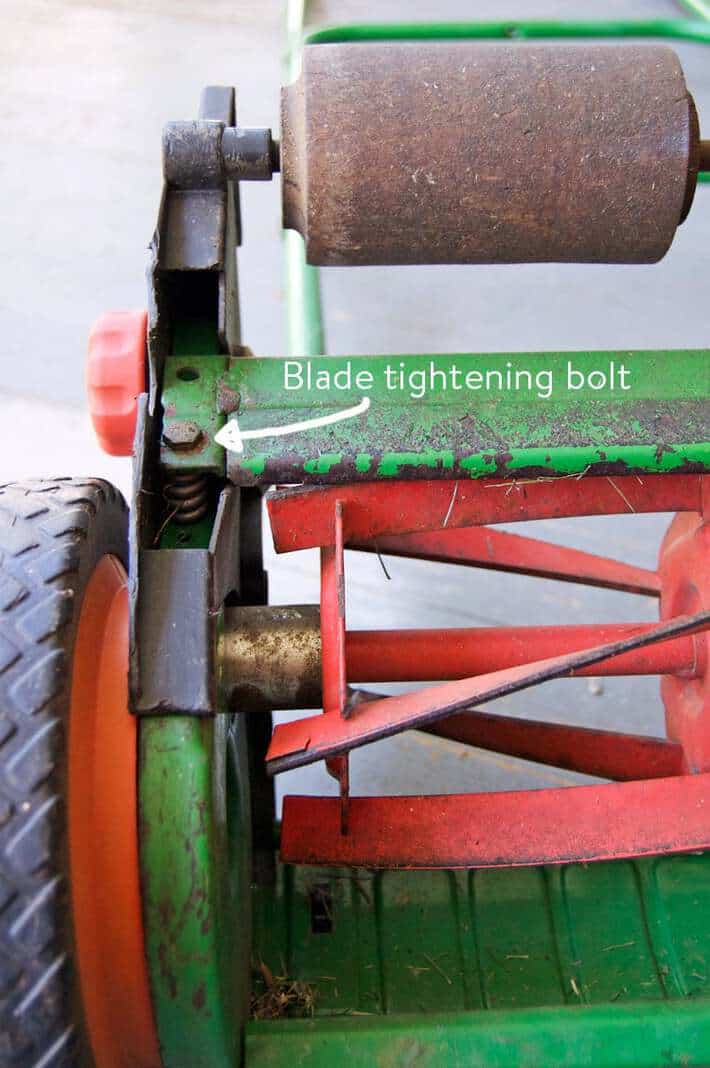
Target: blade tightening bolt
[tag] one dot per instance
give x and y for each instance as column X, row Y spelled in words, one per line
column 183, row 434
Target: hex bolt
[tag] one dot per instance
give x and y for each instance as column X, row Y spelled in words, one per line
column 183, row 434
column 228, row 400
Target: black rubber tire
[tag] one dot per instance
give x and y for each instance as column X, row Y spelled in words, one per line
column 52, row 535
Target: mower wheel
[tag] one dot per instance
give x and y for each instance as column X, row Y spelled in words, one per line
column 63, row 615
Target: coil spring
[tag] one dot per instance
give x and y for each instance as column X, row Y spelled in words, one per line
column 187, row 494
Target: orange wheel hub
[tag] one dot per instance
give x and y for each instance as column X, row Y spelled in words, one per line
column 103, row 833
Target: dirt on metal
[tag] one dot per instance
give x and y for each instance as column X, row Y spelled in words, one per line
column 270, row 657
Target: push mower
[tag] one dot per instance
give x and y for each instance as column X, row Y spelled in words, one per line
column 155, row 913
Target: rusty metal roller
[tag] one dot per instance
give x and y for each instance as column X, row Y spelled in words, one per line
column 488, row 153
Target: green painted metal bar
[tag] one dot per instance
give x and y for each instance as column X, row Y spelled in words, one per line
column 303, row 300
column 334, row 418
column 628, row 1036
column 695, row 30
column 304, row 315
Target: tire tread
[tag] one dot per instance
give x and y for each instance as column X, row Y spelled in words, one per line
column 52, row 534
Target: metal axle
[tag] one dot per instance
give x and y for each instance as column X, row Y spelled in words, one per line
column 270, row 657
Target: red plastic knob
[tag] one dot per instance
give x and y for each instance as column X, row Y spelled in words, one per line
column 115, row 376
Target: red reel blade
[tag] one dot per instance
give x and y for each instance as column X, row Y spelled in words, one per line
column 307, row 740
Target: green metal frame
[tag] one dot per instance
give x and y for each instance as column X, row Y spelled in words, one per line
column 195, row 822
column 615, row 1036
column 605, row 964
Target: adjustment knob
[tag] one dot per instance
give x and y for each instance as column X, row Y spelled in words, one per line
column 115, row 376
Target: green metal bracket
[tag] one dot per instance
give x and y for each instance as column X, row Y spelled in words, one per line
column 191, row 394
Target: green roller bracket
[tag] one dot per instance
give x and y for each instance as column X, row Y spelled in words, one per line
column 195, row 848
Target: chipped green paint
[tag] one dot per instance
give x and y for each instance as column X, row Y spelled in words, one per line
column 256, row 466
column 489, row 415
column 323, row 465
column 395, row 463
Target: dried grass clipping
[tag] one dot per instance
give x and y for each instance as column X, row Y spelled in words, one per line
column 282, row 997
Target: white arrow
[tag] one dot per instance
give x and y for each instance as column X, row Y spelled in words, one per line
column 231, row 437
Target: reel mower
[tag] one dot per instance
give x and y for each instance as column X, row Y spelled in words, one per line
column 155, row 914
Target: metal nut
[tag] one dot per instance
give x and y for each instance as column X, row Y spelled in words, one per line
column 183, row 434
column 228, row 400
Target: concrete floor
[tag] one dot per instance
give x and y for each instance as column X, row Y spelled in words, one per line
column 86, row 86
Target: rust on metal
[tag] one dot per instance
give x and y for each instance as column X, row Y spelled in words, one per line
column 463, row 152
